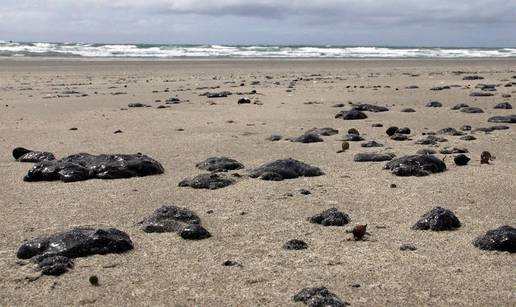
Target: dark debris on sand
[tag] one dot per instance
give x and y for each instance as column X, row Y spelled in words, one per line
column 503, row 105
column 373, row 157
column 327, row 131
column 438, row 219
column 430, row 140
column 416, row 165
column 502, row 238
column 472, row 110
column 461, row 159
column 53, row 254
column 509, row 119
column 285, row 169
column 219, row 164
column 434, row 104
column 352, row 138
column 370, row 107
column 318, row 297
column 307, row 138
column 84, row 166
column 26, row 155
column 352, row 114
column 211, row 181
column 295, row 244
column 371, row 144
column 330, row 217
column 174, row 219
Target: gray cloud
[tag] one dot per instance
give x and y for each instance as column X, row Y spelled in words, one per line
column 393, row 22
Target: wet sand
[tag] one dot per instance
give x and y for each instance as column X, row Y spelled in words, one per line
column 41, row 100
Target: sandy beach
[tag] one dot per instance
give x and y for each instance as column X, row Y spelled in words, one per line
column 42, row 99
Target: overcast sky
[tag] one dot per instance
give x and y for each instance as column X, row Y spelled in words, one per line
column 339, row 22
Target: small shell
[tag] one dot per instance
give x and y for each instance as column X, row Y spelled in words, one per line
column 345, row 145
column 359, row 231
column 485, row 157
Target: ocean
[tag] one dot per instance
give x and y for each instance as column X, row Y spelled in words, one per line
column 92, row 50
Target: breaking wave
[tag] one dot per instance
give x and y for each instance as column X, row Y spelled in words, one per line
column 33, row 49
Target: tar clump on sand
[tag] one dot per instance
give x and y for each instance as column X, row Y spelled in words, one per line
column 318, row 297
column 84, row 166
column 330, row 217
column 219, row 164
column 502, row 238
column 211, row 181
column 438, row 219
column 285, row 169
column 416, row 165
column 183, row 221
column 53, row 255
column 295, row 244
column 26, row 155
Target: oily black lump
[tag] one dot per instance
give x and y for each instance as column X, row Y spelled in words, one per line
column 430, row 140
column 221, row 94
column 453, row 150
column 403, row 130
column 352, row 114
column 370, row 107
column 211, row 181
column 285, row 169
column 399, row 137
column 373, row 157
column 295, row 244
column 53, row 254
column 174, row 219
column 461, row 159
column 503, row 105
column 438, row 219
column 459, row 106
column 434, row 104
column 371, row 144
column 318, row 297
column 472, row 110
column 53, row 265
column 502, row 238
column 77, row 242
column 491, row 129
column 416, row 165
column 450, row 131
column 509, row 119
column 219, row 164
column 481, row 94
column 391, row 130
column 467, row 138
column 307, row 138
column 472, row 77
column 330, row 217
column 352, row 138
column 26, row 155
column 84, row 166
column 327, row 131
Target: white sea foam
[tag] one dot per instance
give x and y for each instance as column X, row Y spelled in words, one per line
column 206, row 51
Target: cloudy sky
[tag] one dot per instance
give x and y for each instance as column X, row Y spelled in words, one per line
column 479, row 23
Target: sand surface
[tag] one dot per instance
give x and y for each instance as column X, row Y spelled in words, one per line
column 253, row 218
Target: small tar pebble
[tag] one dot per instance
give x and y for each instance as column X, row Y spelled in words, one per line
column 94, row 280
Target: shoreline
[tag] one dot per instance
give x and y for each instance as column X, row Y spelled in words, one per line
column 246, row 59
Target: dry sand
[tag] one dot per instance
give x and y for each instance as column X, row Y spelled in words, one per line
column 165, row 270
